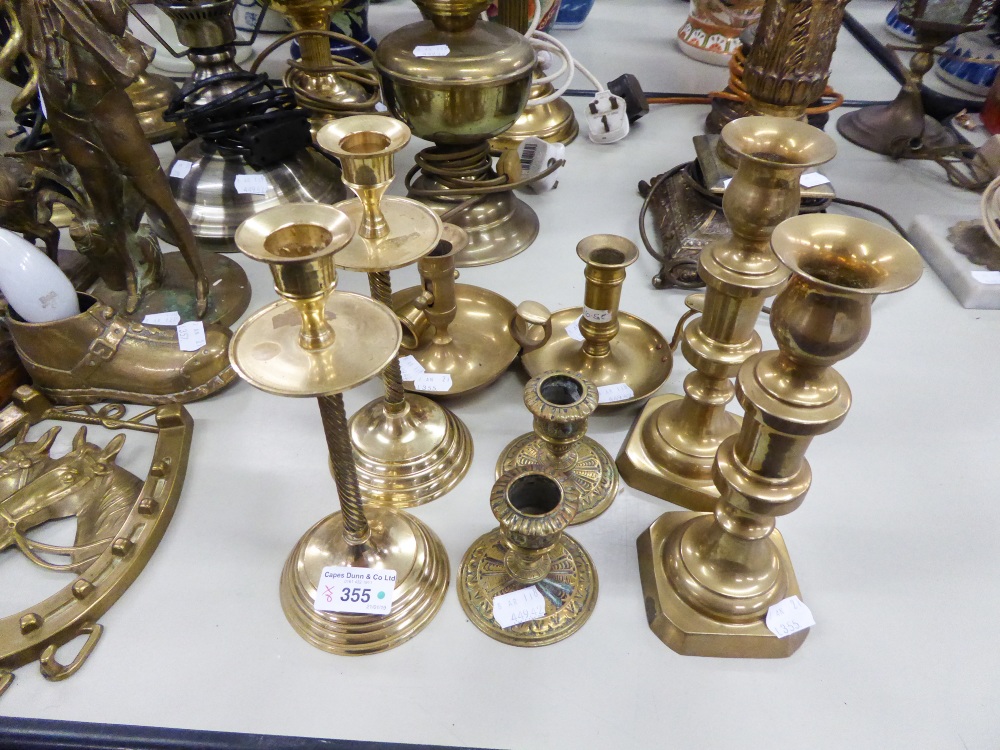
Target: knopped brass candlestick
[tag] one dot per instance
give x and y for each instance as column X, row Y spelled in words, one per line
column 671, row 447
column 455, row 329
column 709, row 579
column 409, row 449
column 318, row 343
column 459, row 100
column 617, row 349
column 529, row 549
column 561, row 404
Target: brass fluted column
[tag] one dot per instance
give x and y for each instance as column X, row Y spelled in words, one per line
column 670, row 449
column 709, row 579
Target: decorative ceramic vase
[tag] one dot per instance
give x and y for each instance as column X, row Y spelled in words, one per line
column 898, row 27
column 550, row 9
column 970, row 62
column 351, row 20
column 247, row 12
column 572, row 13
column 711, row 33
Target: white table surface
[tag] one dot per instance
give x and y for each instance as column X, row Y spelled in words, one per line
column 895, row 548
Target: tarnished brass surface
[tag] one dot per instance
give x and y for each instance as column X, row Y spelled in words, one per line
column 709, row 579
column 120, row 519
column 561, row 404
column 413, row 228
column 151, row 94
column 529, row 549
column 554, row 122
column 454, row 328
column 671, row 447
column 617, row 347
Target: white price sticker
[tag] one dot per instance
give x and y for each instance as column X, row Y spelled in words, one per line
column 788, row 616
column 359, row 591
column 410, row 368
column 597, row 316
column 518, row 606
column 812, row 179
column 251, row 184
column 380, row 107
column 431, row 50
column 987, row 277
column 181, row 168
column 191, row 336
column 171, row 318
column 573, row 330
column 609, row 394
column 432, row 381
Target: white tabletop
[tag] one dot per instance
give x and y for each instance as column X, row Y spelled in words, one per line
column 891, row 547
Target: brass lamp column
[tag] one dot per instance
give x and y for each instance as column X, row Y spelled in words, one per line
column 409, row 449
column 709, row 579
column 617, row 349
column 671, row 447
column 341, row 340
column 458, row 82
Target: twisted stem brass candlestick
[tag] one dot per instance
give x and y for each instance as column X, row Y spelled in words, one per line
column 671, row 447
column 561, row 404
column 320, row 358
column 529, row 549
column 709, row 579
column 618, row 349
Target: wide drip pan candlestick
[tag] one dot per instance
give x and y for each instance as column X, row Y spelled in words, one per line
column 671, row 447
column 709, row 579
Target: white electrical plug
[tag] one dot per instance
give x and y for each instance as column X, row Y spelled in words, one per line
column 536, row 156
column 607, row 119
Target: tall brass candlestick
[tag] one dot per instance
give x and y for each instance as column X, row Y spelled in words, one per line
column 341, row 341
column 670, row 449
column 709, row 579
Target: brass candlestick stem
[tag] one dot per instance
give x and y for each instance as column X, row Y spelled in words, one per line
column 529, row 549
column 617, row 349
column 561, row 404
column 319, row 357
column 671, row 447
column 709, row 579
column 409, row 449
column 457, row 329
column 459, row 101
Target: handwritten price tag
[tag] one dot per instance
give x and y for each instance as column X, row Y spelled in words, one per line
column 180, row 168
column 191, row 336
column 431, row 50
column 788, row 616
column 432, row 381
column 171, row 318
column 609, row 394
column 573, row 330
column 251, row 184
column 410, row 368
column 359, row 591
column 518, row 606
column 597, row 316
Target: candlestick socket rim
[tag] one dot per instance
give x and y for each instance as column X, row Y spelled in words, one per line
column 325, row 228
column 388, row 134
column 778, row 141
column 607, row 251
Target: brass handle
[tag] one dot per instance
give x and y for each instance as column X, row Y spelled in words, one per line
column 413, row 317
column 695, row 304
column 531, row 325
column 50, row 666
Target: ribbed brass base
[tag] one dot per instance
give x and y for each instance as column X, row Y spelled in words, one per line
column 409, row 458
column 398, row 542
column 553, row 122
column 570, row 591
column 228, row 298
column 692, row 489
column 593, row 475
column 690, row 632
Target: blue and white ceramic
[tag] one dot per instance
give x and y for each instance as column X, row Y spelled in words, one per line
column 960, row 71
column 898, row 26
column 572, row 13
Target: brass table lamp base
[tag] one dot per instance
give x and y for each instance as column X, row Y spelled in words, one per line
column 529, row 549
column 554, row 122
column 894, row 128
column 228, row 300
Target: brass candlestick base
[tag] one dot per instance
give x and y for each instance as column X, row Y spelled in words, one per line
column 529, row 549
column 561, row 404
column 314, row 343
column 617, row 348
column 710, row 579
column 229, row 299
column 671, row 447
column 454, row 329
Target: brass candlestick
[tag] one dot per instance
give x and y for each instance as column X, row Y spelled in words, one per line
column 409, row 449
column 529, row 549
column 561, row 404
column 341, row 341
column 459, row 101
column 671, row 447
column 457, row 329
column 617, row 348
column 709, row 579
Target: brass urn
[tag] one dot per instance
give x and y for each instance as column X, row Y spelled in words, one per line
column 458, row 82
